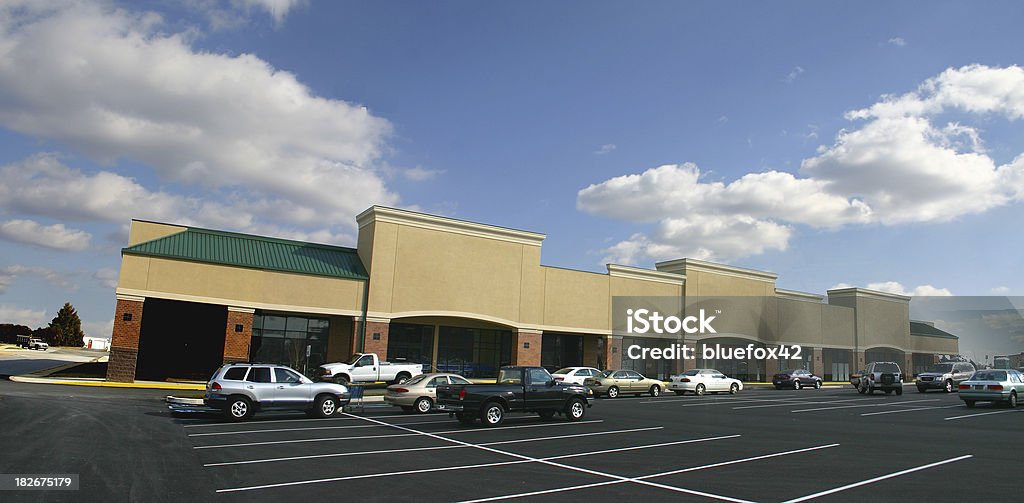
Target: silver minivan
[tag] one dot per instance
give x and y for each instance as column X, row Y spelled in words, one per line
column 240, row 389
column 945, row 376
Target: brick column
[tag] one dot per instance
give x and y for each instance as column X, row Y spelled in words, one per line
column 908, row 370
column 613, row 348
column 859, row 363
column 124, row 341
column 526, row 347
column 376, row 338
column 238, row 334
column 817, row 365
column 772, row 366
column 591, row 353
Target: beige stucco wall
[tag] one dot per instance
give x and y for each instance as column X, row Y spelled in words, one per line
column 238, row 286
column 940, row 345
column 709, row 284
column 837, row 325
column 799, row 322
column 576, row 299
column 142, row 231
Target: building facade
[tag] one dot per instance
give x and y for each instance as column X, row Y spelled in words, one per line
column 462, row 297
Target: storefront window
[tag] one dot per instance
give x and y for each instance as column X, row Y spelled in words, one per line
column 411, row 343
column 297, row 341
column 473, row 352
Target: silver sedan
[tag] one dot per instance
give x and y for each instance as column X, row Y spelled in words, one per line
column 419, row 393
column 992, row 385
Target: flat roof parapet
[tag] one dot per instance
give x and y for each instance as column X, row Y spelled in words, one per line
column 625, row 271
column 686, row 265
column 446, row 224
column 864, row 292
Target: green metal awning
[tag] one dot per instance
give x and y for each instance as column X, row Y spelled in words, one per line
column 926, row 330
column 256, row 252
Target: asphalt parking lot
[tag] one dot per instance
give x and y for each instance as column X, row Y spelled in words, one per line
column 759, row 445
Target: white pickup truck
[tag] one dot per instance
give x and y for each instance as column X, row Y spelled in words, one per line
column 366, row 367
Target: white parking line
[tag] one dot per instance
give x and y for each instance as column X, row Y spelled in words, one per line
column 415, row 449
column 521, row 459
column 877, row 479
column 887, row 404
column 319, row 420
column 312, row 428
column 653, row 475
column 793, row 402
column 362, row 437
column 914, row 409
column 980, row 414
column 568, row 467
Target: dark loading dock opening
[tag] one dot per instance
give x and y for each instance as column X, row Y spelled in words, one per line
column 182, row 340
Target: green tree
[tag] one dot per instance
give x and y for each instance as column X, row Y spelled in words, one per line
column 67, row 327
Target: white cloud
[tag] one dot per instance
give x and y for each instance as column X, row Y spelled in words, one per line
column 793, row 74
column 704, row 238
column 1000, row 290
column 10, row 273
column 102, row 329
column 278, row 9
column 897, row 41
column 21, row 316
column 607, row 148
column 420, row 174
column 898, row 289
column 54, row 236
column 116, row 85
column 896, row 168
column 107, row 277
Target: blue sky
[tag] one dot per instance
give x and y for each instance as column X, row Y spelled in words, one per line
column 756, row 134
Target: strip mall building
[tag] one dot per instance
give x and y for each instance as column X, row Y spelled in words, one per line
column 463, row 297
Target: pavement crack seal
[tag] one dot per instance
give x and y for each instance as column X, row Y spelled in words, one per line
column 519, row 460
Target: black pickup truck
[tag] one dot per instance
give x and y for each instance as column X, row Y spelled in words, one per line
column 518, row 389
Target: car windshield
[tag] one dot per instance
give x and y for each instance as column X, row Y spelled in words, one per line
column 791, row 371
column 416, row 379
column 566, row 370
column 886, row 367
column 942, row 368
column 691, row 372
column 989, row 375
column 354, row 359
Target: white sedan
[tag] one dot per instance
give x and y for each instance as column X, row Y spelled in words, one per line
column 575, row 375
column 701, row 381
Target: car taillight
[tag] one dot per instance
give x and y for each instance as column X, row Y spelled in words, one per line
column 326, row 372
column 965, row 386
column 995, row 387
column 685, row 379
column 215, row 387
column 462, row 394
column 559, row 378
column 400, row 390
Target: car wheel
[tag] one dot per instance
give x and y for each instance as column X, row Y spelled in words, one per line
column 238, row 408
column 871, row 391
column 575, row 409
column 921, row 389
column 655, row 390
column 699, row 391
column 342, row 380
column 546, row 414
column 817, row 384
column 424, row 404
column 862, row 389
column 949, row 386
column 899, row 391
column 680, row 393
column 1012, row 401
column 735, row 388
column 613, row 392
column 492, row 414
column 325, row 406
column 969, row 404
column 797, row 385
column 401, row 378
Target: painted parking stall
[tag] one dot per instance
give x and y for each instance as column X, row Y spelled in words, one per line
column 743, row 448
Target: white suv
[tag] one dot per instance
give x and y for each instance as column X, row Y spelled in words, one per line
column 240, row 389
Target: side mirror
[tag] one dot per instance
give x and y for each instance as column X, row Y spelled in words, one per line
column 552, row 383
